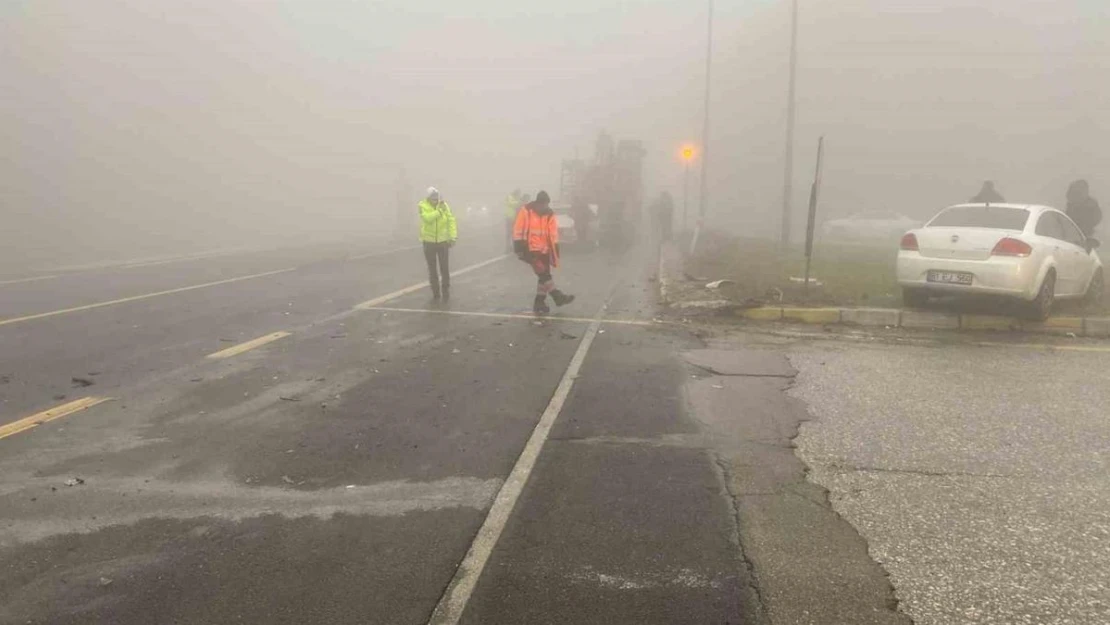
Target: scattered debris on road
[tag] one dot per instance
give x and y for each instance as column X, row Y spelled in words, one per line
column 81, row 382
column 289, row 398
column 74, row 481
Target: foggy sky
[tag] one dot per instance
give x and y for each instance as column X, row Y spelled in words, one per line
column 222, row 120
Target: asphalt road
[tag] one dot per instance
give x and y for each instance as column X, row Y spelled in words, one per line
column 978, row 474
column 299, row 436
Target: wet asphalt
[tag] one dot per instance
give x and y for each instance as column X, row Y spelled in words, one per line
column 340, row 474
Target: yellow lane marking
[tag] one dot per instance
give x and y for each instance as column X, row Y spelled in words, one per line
column 135, row 298
column 33, row 279
column 249, row 345
column 377, row 301
column 47, row 416
column 464, row 313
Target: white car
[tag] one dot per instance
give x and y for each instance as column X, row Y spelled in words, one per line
column 1031, row 253
column 568, row 231
column 877, row 226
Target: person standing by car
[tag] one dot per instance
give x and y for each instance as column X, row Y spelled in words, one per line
column 988, row 195
column 536, row 242
column 1082, row 208
column 438, row 232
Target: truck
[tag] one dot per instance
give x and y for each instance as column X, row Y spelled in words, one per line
column 610, row 187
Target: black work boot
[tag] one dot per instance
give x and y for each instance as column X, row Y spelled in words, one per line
column 446, row 292
column 561, row 299
column 435, row 292
column 540, row 307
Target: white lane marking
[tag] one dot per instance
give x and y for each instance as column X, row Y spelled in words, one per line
column 377, row 301
column 453, row 602
column 468, row 313
column 386, row 253
column 31, row 279
column 135, row 298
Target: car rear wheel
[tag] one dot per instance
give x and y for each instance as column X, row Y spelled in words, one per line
column 1041, row 307
column 914, row 298
column 1096, row 290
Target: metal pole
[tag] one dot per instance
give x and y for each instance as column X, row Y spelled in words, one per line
column 788, row 176
column 703, row 192
column 685, row 195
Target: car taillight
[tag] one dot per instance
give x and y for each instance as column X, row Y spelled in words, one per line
column 909, row 242
column 1011, row 247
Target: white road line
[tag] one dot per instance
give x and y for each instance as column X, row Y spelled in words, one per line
column 453, row 602
column 135, row 298
column 529, row 316
column 378, row 301
column 385, row 253
column 31, row 279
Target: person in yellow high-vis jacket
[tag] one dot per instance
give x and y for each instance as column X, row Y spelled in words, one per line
column 438, row 232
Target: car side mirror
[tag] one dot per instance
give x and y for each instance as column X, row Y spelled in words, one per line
column 1093, row 244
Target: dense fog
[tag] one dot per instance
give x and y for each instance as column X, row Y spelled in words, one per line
column 135, row 128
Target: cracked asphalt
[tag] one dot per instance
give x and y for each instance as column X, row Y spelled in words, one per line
column 979, row 476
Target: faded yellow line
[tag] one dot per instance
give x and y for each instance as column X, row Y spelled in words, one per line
column 32, row 279
column 464, row 313
column 47, row 416
column 135, row 298
column 249, row 345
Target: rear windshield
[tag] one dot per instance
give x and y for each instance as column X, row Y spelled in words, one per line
column 997, row 217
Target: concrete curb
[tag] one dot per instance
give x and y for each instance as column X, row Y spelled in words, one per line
column 1093, row 327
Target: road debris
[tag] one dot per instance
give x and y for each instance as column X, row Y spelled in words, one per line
column 289, row 398
column 74, row 481
column 81, row 382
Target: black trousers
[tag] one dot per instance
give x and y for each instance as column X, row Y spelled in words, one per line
column 438, row 265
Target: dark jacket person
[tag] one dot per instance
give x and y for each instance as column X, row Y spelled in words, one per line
column 988, row 195
column 1082, row 208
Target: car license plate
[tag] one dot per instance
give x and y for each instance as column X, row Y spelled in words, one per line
column 950, row 277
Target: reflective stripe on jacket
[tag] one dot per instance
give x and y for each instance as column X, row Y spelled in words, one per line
column 539, row 231
column 437, row 223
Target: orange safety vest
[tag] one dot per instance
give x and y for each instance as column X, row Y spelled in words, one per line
column 540, row 232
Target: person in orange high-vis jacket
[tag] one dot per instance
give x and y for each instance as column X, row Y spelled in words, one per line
column 536, row 242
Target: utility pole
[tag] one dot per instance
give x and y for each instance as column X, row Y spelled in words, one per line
column 788, row 176
column 702, row 194
column 687, row 156
column 685, row 194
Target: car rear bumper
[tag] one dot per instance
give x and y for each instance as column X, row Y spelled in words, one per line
column 1011, row 277
column 568, row 236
